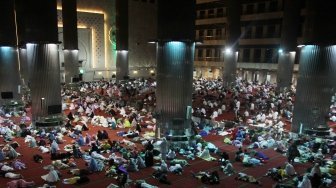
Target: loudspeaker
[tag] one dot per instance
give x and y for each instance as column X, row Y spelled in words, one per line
column 7, row 95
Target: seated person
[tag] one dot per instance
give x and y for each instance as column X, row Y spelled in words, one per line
column 207, row 178
column 131, row 134
column 247, row 178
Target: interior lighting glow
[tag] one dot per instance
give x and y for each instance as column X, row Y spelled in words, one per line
column 123, row 51
column 81, row 26
column 95, row 11
column 93, row 43
column 228, row 50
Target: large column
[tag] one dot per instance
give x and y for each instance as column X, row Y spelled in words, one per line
column 232, row 42
column 70, row 36
column 175, row 57
column 289, row 34
column 317, row 72
column 38, row 20
column 122, row 39
column 9, row 68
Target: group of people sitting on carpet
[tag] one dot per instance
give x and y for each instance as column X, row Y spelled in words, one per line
column 261, row 106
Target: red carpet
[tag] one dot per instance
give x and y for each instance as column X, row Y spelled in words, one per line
column 35, row 170
column 98, row 180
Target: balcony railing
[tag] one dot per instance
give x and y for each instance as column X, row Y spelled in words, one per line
column 218, row 37
column 218, row 15
column 207, row 59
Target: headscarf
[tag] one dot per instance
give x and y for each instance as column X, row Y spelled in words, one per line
column 305, row 183
column 54, row 147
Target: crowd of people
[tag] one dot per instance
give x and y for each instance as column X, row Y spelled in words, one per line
column 261, row 118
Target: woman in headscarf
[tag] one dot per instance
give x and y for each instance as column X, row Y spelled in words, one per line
column 305, row 183
column 95, row 165
column 132, row 167
column 206, row 155
column 228, row 169
column 149, row 158
column 80, row 140
column 52, row 176
column 289, row 169
column 105, row 135
column 100, row 135
column 32, row 143
column 87, row 139
column 12, row 154
column 164, row 166
column 292, row 153
column 76, row 151
column 42, row 142
column 316, row 170
column 171, row 155
column 2, row 155
column 95, row 148
column 140, row 162
column 54, row 147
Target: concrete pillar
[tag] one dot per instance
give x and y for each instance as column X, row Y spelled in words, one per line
column 9, row 74
column 290, row 31
column 175, row 60
column 9, row 65
column 70, row 36
column 285, row 70
column 232, row 40
column 45, row 80
column 40, row 34
column 317, row 72
column 122, row 39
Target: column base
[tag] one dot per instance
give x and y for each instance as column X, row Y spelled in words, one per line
column 321, row 130
column 49, row 122
column 177, row 140
column 12, row 106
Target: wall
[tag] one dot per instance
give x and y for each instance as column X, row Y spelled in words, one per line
column 142, row 30
column 96, row 23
